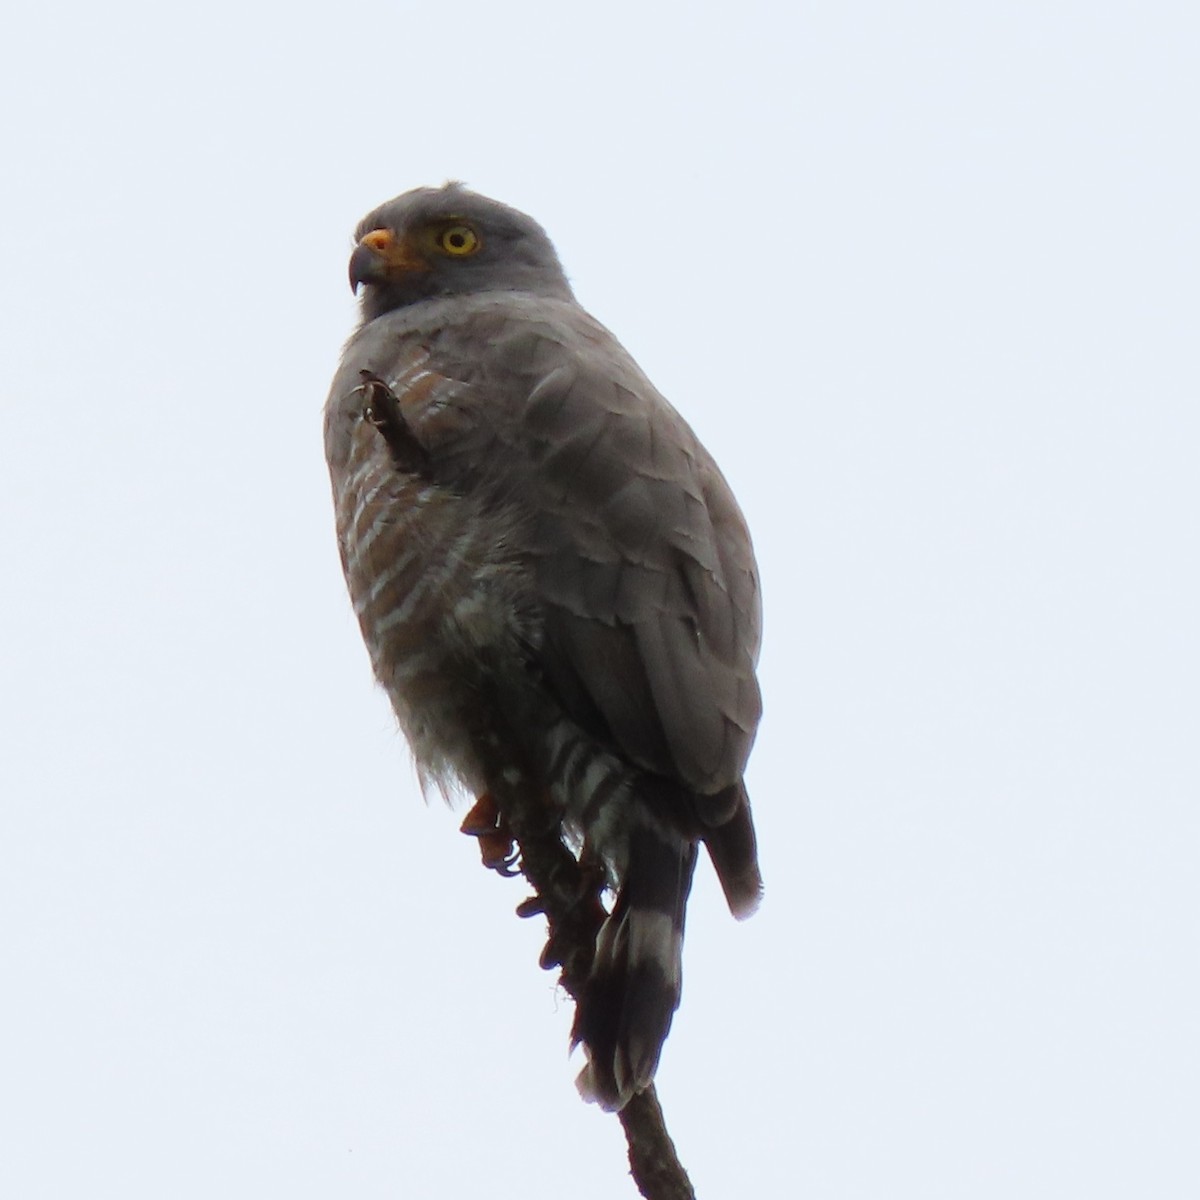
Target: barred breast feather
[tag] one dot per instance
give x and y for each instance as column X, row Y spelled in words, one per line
column 433, row 580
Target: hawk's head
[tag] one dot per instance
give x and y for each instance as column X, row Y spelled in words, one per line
column 449, row 241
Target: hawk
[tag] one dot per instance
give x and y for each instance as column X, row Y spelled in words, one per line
column 535, row 541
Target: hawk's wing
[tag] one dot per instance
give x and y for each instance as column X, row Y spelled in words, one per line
column 642, row 560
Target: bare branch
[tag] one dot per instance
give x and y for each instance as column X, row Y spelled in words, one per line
column 652, row 1159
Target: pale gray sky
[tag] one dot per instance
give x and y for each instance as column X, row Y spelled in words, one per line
column 926, row 279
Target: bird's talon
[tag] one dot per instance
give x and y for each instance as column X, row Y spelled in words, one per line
column 496, row 848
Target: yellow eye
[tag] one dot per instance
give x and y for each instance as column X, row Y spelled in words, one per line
column 459, row 240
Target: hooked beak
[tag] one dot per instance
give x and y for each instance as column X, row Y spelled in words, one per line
column 367, row 263
column 382, row 257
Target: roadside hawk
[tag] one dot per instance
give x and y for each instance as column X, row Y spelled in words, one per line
column 535, row 541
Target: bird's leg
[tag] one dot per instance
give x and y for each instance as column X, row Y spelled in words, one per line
column 581, row 918
column 486, row 823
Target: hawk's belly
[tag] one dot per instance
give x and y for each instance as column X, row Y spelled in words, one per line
column 440, row 598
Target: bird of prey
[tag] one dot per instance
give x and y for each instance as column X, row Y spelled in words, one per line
column 536, row 543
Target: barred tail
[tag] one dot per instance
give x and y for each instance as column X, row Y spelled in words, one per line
column 625, row 1011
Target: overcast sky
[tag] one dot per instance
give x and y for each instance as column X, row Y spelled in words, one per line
column 925, row 277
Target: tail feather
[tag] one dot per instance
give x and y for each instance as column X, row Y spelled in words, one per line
column 733, row 849
column 625, row 1012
